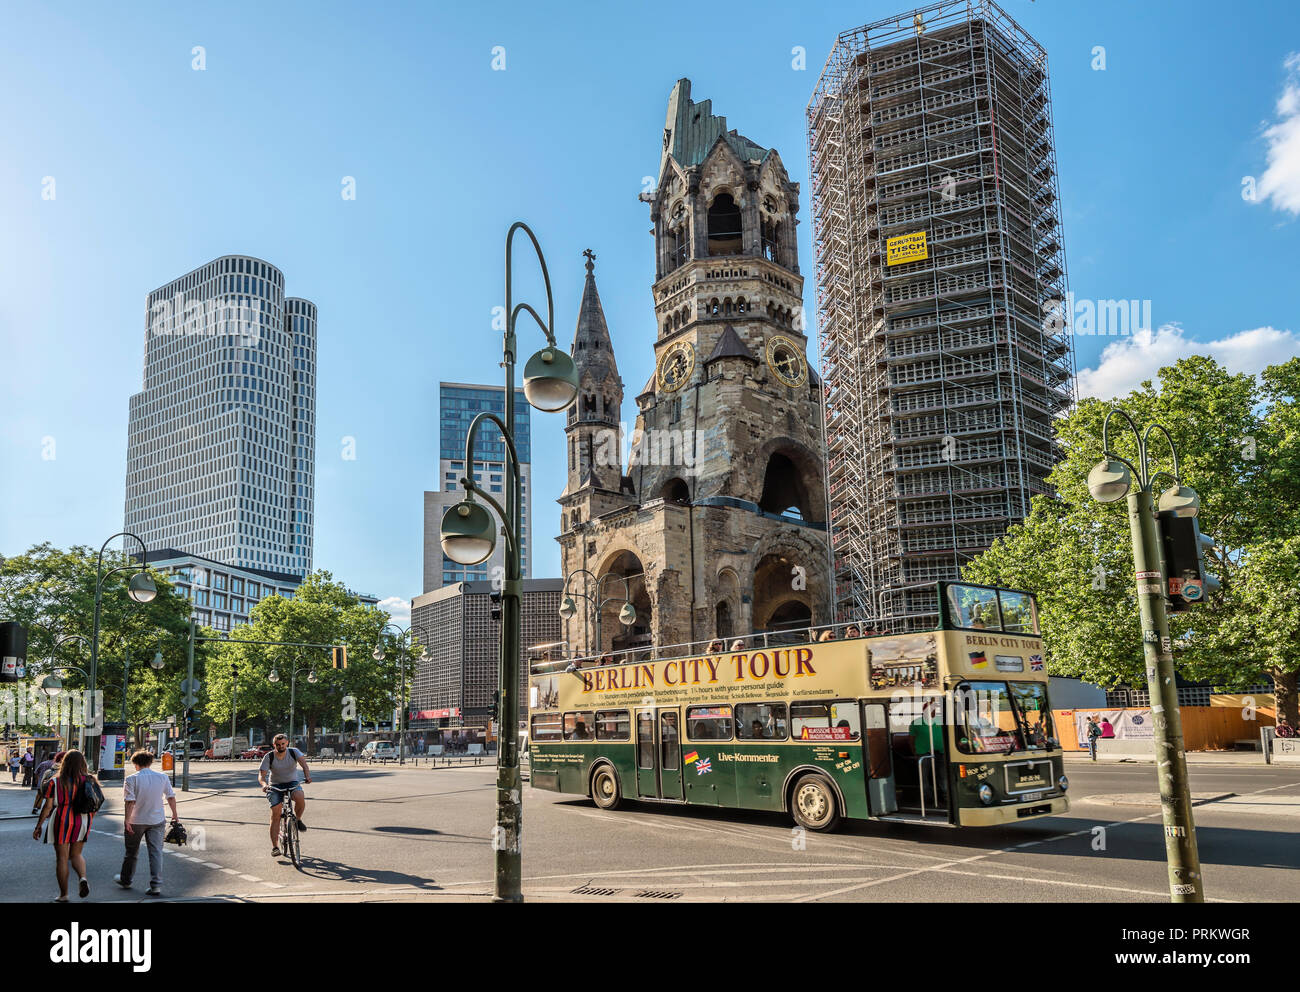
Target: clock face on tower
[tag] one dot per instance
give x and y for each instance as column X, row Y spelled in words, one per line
column 785, row 359
column 675, row 366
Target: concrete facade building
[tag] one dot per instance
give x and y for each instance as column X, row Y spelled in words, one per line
column 458, row 404
column 222, row 596
column 941, row 281
column 718, row 519
column 221, row 445
column 453, row 689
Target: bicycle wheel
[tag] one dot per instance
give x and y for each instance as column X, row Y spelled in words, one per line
column 293, row 849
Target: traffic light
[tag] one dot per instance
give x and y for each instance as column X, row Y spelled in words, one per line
column 494, row 606
column 1183, row 547
column 340, row 657
column 13, row 651
column 496, row 704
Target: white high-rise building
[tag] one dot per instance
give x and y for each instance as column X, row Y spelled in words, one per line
column 221, row 450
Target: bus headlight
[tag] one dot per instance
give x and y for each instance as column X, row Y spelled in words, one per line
column 1064, row 783
column 986, row 794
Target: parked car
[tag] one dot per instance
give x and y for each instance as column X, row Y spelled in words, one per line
column 256, row 753
column 379, row 751
column 197, row 750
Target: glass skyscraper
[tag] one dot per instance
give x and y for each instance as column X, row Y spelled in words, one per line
column 458, row 405
column 221, row 449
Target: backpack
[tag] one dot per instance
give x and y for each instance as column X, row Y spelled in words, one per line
column 89, row 797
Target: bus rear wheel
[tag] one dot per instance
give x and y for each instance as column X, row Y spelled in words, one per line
column 604, row 788
column 813, row 805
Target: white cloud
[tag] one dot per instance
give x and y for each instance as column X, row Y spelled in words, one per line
column 397, row 608
column 1125, row 363
column 1280, row 183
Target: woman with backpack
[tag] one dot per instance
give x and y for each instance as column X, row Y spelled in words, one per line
column 73, row 795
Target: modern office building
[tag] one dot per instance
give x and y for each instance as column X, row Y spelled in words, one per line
column 452, row 691
column 221, row 447
column 223, row 596
column 941, row 274
column 458, row 404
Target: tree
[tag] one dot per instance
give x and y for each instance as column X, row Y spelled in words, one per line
column 52, row 592
column 321, row 612
column 1238, row 441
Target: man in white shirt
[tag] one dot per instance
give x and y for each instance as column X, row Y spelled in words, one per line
column 144, row 793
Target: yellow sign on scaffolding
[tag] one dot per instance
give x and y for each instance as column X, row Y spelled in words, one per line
column 906, row 248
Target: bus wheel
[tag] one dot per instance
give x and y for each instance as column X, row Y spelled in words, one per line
column 813, row 804
column 604, row 788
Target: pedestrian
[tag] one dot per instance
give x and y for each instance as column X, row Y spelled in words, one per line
column 46, row 770
column 15, row 762
column 143, row 794
column 70, row 828
column 1093, row 731
column 1283, row 728
column 29, row 768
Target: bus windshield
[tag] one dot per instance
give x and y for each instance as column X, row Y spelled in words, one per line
column 985, row 718
column 1035, row 718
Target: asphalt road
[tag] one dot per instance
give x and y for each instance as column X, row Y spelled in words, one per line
column 390, row 834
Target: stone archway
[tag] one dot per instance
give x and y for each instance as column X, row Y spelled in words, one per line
column 783, row 473
column 790, row 568
column 614, row 636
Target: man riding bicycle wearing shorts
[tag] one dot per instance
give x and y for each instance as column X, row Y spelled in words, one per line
column 281, row 764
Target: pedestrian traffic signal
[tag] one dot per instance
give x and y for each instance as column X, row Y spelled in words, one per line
column 1183, row 547
column 340, row 657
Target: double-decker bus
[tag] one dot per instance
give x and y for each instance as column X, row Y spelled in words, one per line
column 948, row 726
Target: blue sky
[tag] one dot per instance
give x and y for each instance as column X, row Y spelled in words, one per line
column 159, row 167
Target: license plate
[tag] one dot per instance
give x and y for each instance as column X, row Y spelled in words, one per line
column 1030, row 797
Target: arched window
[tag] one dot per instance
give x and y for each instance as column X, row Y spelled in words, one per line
column 783, row 489
column 740, row 305
column 724, row 226
column 714, row 308
column 675, row 491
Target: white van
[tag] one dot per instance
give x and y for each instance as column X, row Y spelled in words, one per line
column 229, row 747
column 379, row 751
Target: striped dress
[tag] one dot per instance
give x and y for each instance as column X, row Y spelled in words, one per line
column 66, row 825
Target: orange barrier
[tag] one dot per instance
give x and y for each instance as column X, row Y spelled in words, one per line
column 1205, row 728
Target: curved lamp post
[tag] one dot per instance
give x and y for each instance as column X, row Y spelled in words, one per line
column 403, row 639
column 293, row 688
column 568, row 608
column 1111, row 480
column 469, row 535
column 52, row 684
column 141, row 589
column 156, row 663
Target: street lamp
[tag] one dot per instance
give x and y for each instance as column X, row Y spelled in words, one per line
column 1109, row 481
column 141, row 589
column 156, row 663
column 468, row 536
column 568, row 608
column 403, row 639
column 293, row 689
column 52, row 684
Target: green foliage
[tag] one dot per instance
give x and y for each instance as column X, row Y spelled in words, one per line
column 322, row 612
column 1238, row 442
column 53, row 592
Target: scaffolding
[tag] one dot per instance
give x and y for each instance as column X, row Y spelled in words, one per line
column 941, row 375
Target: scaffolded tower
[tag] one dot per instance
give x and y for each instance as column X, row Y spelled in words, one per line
column 942, row 373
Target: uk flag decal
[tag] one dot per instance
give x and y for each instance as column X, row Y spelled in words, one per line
column 1035, row 662
column 703, row 768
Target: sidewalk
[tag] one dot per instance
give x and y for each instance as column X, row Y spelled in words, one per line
column 15, row 801
column 1193, row 758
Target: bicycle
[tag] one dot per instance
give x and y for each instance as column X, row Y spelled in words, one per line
column 290, row 844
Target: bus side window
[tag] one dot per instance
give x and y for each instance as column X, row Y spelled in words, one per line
column 760, row 721
column 613, row 725
column 709, row 723
column 546, row 727
column 577, row 726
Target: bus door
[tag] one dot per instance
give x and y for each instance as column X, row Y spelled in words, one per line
column 882, row 793
column 658, row 754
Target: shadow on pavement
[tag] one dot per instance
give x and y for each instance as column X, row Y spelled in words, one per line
column 334, row 871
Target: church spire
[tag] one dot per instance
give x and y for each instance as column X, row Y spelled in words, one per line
column 593, row 423
column 592, row 348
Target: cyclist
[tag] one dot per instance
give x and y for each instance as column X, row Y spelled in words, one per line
column 281, row 763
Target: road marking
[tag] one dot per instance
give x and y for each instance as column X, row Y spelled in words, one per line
column 250, row 878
